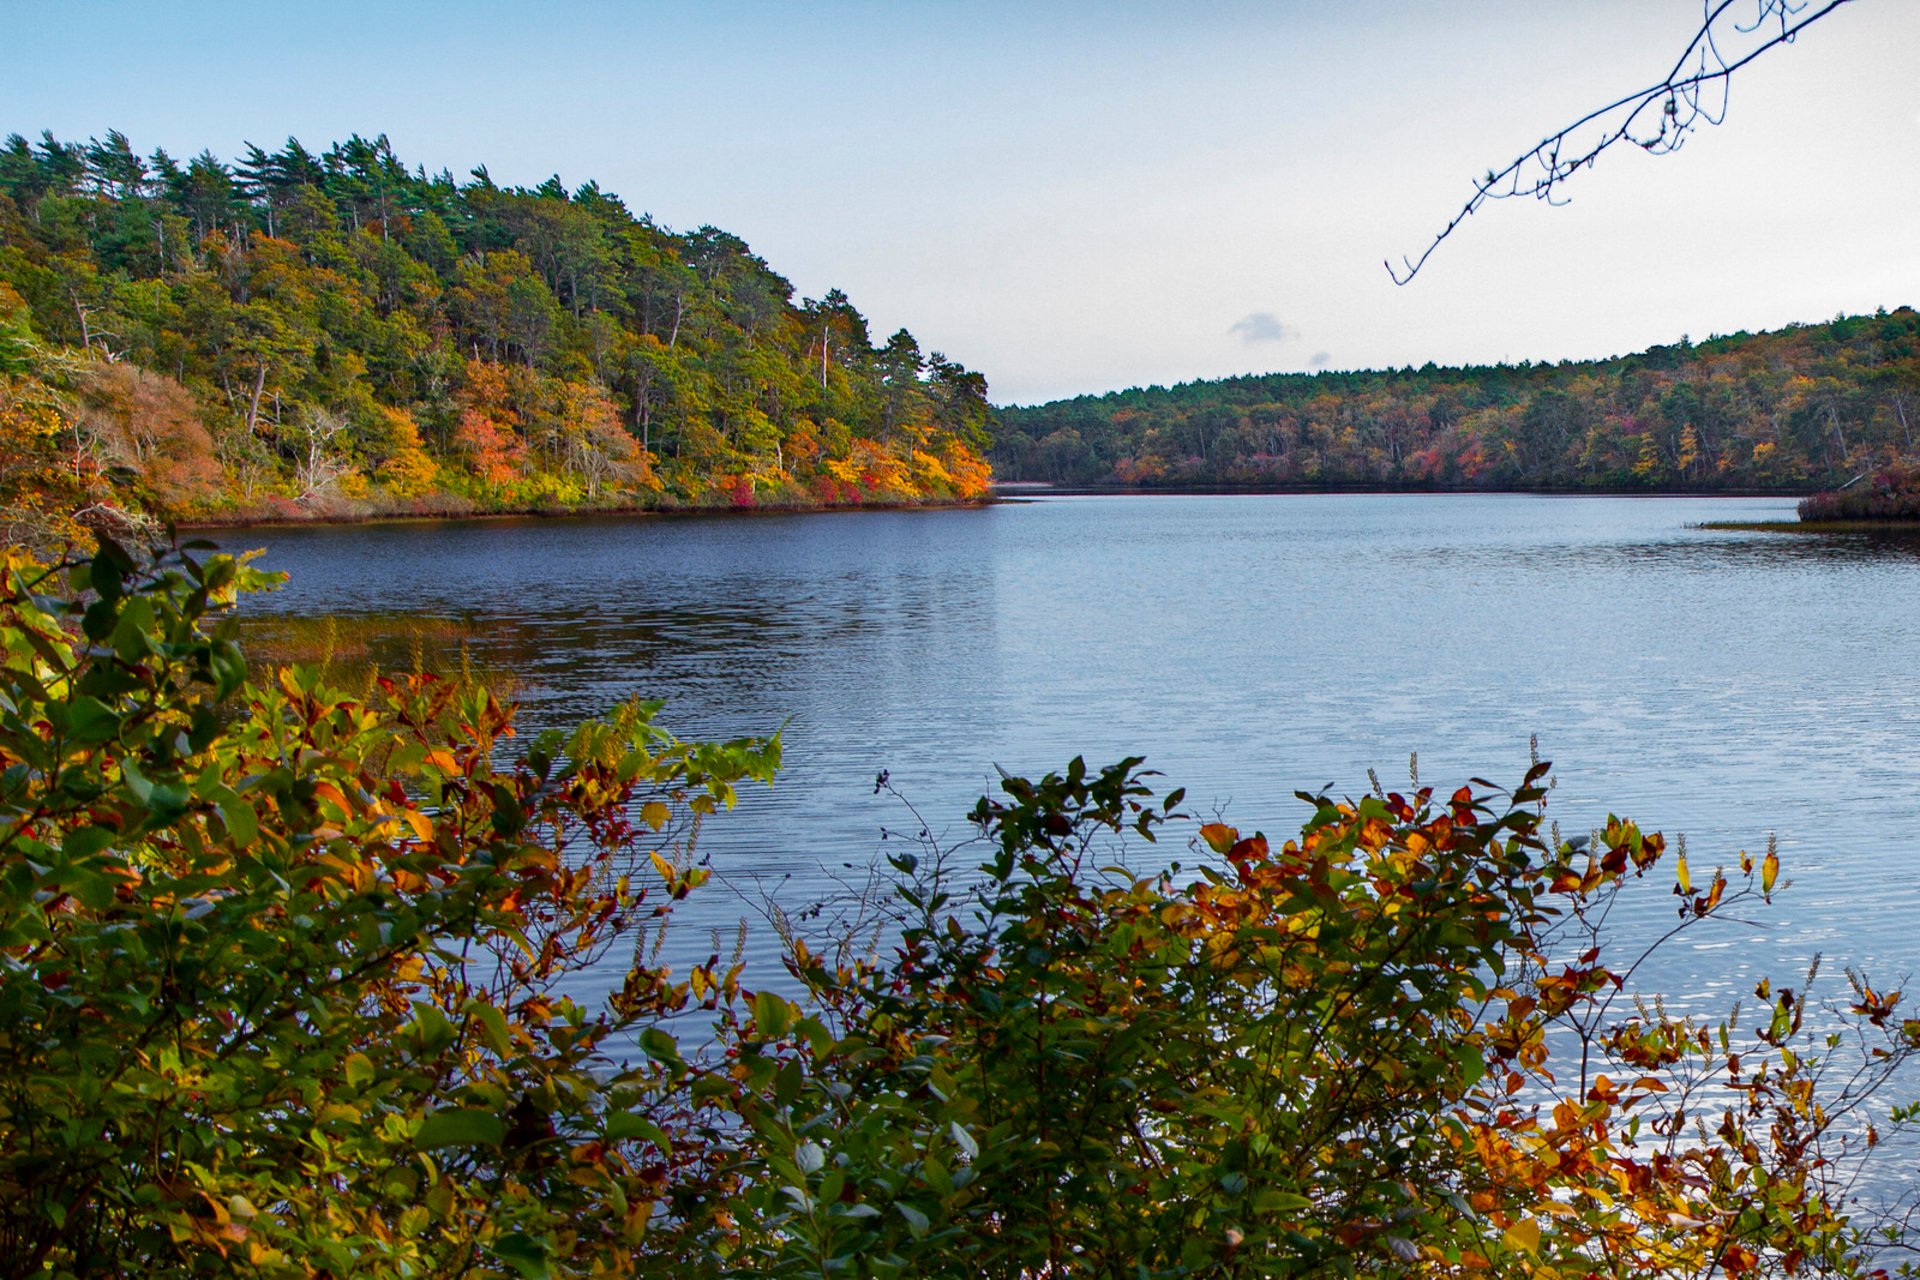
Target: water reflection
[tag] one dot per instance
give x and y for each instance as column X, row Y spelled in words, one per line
column 1725, row 684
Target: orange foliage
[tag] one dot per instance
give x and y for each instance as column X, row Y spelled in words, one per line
column 148, row 425
column 486, row 437
column 492, row 452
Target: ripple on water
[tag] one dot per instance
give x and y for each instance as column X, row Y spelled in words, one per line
column 1724, row 684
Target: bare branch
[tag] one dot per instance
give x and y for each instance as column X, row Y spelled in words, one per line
column 1657, row 119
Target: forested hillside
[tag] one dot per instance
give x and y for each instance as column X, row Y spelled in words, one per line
column 1807, row 407
column 331, row 332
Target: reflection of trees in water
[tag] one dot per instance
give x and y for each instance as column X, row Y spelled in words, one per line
column 1700, row 551
column 1871, row 545
column 760, row 647
column 1864, row 546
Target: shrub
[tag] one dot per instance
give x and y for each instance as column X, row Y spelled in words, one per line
column 1389, row 1047
column 290, row 986
column 1891, row 495
column 282, row 985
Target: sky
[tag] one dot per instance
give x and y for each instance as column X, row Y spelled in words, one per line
column 1078, row 197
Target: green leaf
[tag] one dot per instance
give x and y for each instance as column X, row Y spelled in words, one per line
column 91, row 889
column 660, row 1046
column 917, row 1222
column 772, row 1016
column 97, row 622
column 90, row 720
column 136, row 781
column 493, row 1027
column 227, row 666
column 524, row 1254
column 108, row 575
column 460, row 1127
column 625, row 1124
column 86, row 842
column 787, row 1085
column 1271, row 1201
column 243, row 824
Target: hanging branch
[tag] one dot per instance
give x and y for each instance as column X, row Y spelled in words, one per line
column 1656, row 119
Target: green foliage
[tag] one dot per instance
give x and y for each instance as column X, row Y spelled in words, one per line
column 1808, row 406
column 284, row 969
column 355, row 337
column 291, row 985
column 1389, row 1047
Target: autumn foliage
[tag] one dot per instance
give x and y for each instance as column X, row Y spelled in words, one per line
column 297, row 981
column 1806, row 407
column 332, row 334
column 1890, row 495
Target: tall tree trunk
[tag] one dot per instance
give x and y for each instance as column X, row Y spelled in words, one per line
column 253, row 405
column 79, row 309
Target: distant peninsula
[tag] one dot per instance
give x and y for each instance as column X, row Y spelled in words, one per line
column 329, row 334
column 1806, row 408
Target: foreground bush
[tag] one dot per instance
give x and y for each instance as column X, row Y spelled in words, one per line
column 289, row 987
column 282, row 968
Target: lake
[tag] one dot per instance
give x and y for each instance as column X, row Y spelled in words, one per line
column 1724, row 685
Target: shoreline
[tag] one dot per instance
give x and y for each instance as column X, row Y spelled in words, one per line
column 1037, row 488
column 249, row 521
column 1017, row 492
column 1811, row 526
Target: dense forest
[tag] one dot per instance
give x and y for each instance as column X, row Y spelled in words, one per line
column 330, row 332
column 1811, row 406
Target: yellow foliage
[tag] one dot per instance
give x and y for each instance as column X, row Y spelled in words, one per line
column 928, row 471
column 881, row 473
column 408, row 473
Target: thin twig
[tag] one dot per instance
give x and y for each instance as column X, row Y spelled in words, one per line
column 1692, row 93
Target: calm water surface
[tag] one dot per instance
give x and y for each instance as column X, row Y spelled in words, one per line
column 1726, row 685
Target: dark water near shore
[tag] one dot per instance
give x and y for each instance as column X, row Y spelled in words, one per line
column 1726, row 685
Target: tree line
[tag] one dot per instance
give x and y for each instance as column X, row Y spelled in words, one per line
column 1806, row 407
column 331, row 331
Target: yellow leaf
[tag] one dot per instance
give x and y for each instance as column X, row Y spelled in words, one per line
column 1219, row 836
column 654, row 814
column 1524, row 1235
column 1686, row 877
column 1769, row 871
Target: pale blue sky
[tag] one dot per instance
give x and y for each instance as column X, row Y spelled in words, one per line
column 1074, row 196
